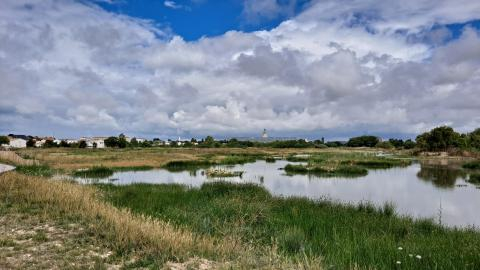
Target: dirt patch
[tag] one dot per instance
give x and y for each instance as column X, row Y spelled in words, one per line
column 29, row 240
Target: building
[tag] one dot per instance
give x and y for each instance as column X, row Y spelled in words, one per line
column 17, row 143
column 94, row 142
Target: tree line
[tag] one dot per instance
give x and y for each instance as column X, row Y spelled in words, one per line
column 441, row 138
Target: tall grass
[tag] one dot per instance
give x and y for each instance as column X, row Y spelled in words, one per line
column 346, row 236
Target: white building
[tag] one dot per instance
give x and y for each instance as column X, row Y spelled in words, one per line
column 95, row 142
column 40, row 143
column 17, row 143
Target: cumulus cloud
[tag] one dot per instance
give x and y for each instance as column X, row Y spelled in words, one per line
column 71, row 69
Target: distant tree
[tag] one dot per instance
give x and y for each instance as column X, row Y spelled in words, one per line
column 64, row 144
column 134, row 142
column 94, row 145
column 397, row 143
column 409, row 144
column 193, row 140
column 385, row 145
column 111, row 141
column 4, row 140
column 122, row 142
column 82, row 144
column 49, row 144
column 439, row 139
column 335, row 144
column 31, row 143
column 474, row 139
column 146, row 144
column 363, row 141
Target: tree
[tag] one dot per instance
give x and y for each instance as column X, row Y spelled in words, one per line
column 474, row 138
column 82, row 144
column 367, row 141
column 31, row 143
column 439, row 139
column 385, row 145
column 64, row 144
column 409, row 144
column 122, row 142
column 4, row 140
column 134, row 142
column 111, row 141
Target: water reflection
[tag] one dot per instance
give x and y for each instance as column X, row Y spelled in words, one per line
column 440, row 175
column 419, row 190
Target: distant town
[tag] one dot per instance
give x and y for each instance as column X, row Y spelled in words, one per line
column 24, row 141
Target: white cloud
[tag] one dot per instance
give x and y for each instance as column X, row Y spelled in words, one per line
column 334, row 69
column 172, row 4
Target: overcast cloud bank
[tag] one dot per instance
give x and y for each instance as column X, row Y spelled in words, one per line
column 340, row 67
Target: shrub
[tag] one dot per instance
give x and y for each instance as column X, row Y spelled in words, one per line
column 366, row 141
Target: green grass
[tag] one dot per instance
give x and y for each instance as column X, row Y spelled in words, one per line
column 473, row 165
column 342, row 170
column 346, row 236
column 94, row 172
column 35, row 170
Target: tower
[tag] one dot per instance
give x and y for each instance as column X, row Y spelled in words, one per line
column 264, row 134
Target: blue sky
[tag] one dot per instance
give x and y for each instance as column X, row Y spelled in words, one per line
column 194, row 19
column 319, row 68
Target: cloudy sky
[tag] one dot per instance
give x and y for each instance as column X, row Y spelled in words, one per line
column 331, row 68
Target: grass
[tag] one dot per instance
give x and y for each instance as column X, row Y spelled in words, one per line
column 473, row 165
column 345, row 236
column 342, row 170
column 152, row 238
column 94, row 172
column 35, row 170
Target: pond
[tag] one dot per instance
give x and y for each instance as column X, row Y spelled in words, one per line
column 419, row 190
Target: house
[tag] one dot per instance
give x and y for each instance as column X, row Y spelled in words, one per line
column 40, row 143
column 95, row 142
column 17, row 143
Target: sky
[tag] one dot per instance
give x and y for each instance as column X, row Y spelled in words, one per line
column 192, row 68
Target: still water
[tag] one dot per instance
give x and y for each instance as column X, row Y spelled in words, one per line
column 421, row 191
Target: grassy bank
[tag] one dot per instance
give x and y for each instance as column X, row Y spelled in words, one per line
column 344, row 236
column 152, row 241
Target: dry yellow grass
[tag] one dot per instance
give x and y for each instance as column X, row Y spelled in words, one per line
column 142, row 234
column 13, row 158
